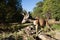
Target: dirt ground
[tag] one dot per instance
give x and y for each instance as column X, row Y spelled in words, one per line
column 55, row 34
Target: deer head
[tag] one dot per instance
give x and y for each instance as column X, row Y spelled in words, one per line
column 26, row 16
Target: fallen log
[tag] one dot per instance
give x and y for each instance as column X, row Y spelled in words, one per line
column 43, row 36
column 57, row 22
column 53, row 21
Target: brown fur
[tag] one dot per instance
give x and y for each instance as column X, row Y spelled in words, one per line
column 37, row 22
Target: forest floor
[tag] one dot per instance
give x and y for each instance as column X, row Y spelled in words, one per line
column 22, row 34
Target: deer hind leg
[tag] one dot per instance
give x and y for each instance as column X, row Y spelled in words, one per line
column 48, row 26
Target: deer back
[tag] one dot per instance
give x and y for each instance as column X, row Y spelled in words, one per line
column 42, row 22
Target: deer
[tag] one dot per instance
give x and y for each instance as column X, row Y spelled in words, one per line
column 27, row 18
column 36, row 21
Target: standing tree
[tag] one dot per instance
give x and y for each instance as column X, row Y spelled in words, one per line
column 52, row 6
column 10, row 10
column 14, row 10
column 2, row 10
column 38, row 9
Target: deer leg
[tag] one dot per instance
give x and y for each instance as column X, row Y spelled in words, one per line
column 48, row 26
column 36, row 29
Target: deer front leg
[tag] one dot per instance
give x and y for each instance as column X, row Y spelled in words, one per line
column 35, row 22
column 36, row 27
